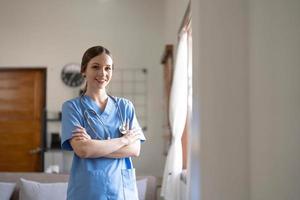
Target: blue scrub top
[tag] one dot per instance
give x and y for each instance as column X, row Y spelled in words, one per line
column 99, row 178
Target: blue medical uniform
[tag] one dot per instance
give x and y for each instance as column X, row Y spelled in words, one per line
column 99, row 178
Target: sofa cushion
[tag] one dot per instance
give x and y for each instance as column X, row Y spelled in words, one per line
column 31, row 190
column 6, row 190
column 142, row 188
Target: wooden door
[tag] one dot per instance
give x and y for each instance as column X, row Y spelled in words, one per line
column 22, row 102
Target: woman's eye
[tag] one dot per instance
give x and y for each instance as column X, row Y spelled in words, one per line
column 108, row 68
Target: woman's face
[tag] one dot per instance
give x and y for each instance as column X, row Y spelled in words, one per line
column 99, row 71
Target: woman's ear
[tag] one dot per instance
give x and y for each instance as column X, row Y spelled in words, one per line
column 83, row 74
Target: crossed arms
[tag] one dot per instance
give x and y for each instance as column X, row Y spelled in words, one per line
column 126, row 146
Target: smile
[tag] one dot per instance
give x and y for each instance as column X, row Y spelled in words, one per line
column 101, row 80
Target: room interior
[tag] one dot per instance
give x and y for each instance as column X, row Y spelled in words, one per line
column 244, row 127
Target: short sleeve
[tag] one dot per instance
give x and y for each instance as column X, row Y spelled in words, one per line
column 70, row 119
column 134, row 124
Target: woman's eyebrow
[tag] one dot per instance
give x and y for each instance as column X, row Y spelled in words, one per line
column 95, row 63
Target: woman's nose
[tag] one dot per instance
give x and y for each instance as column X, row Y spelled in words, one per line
column 101, row 72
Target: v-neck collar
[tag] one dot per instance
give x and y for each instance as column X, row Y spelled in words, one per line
column 108, row 107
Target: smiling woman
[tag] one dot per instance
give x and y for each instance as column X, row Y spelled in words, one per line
column 91, row 128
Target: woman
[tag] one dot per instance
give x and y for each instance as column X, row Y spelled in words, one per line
column 104, row 133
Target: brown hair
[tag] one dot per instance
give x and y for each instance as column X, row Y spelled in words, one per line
column 88, row 55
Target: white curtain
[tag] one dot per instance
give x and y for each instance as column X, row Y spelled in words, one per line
column 177, row 112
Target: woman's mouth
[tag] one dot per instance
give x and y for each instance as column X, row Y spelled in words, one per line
column 100, row 80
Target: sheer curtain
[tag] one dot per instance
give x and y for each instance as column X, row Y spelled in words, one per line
column 178, row 113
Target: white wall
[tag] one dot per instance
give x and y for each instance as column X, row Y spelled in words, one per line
column 220, row 90
column 246, row 64
column 173, row 16
column 53, row 33
column 275, row 99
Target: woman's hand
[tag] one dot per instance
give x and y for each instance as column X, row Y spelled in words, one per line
column 80, row 134
column 131, row 136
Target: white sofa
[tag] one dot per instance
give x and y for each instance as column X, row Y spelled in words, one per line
column 148, row 192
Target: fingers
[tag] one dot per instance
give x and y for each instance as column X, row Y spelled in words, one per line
column 138, row 136
column 79, row 126
column 135, row 130
column 80, row 133
column 133, row 136
column 79, row 129
column 78, row 138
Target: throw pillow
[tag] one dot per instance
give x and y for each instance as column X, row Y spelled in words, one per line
column 6, row 190
column 31, row 190
column 142, row 188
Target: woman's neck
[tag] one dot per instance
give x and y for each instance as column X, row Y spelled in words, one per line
column 99, row 96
